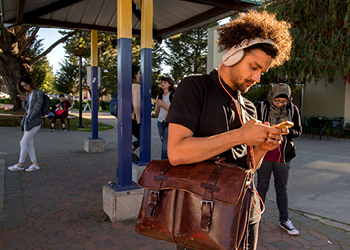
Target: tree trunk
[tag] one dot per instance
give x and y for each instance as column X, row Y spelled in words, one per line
column 11, row 71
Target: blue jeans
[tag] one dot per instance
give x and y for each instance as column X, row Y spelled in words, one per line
column 163, row 133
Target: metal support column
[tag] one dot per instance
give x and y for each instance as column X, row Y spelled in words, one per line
column 146, row 81
column 94, row 85
column 124, row 170
column 80, row 90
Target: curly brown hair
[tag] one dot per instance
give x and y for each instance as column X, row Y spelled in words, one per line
column 258, row 24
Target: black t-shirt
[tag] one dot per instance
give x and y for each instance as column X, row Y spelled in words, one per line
column 203, row 106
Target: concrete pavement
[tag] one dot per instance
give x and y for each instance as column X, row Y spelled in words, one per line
column 60, row 206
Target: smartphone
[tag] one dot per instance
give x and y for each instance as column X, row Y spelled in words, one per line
column 285, row 124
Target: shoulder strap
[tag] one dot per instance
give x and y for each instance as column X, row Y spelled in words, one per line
column 291, row 111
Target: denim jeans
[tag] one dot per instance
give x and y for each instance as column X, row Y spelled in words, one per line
column 27, row 145
column 280, row 172
column 163, row 133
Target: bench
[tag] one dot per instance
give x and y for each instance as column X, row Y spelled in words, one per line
column 68, row 118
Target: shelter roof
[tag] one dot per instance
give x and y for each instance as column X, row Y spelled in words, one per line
column 171, row 17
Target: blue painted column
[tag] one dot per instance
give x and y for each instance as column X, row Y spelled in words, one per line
column 94, row 103
column 94, row 85
column 124, row 170
column 146, row 106
column 146, row 80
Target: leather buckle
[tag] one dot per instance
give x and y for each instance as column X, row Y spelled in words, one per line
column 206, row 215
column 210, row 202
column 153, row 206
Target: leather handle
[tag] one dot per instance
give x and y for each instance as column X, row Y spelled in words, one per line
column 217, row 158
column 207, row 204
column 152, row 207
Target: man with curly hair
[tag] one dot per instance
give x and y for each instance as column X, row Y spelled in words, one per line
column 209, row 117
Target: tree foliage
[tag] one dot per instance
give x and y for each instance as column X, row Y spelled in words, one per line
column 42, row 70
column 186, row 53
column 108, row 59
column 15, row 57
column 320, row 31
column 67, row 77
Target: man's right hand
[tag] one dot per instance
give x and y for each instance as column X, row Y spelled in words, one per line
column 255, row 132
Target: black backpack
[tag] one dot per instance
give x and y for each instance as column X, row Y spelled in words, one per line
column 46, row 106
column 113, row 105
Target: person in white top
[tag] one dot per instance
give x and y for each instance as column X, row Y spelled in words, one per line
column 136, row 110
column 163, row 101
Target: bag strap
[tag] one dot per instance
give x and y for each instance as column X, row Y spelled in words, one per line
column 249, row 148
column 152, row 207
column 207, row 204
column 252, row 163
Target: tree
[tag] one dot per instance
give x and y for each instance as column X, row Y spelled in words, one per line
column 15, row 58
column 42, row 70
column 320, row 32
column 108, row 56
column 67, row 78
column 187, row 52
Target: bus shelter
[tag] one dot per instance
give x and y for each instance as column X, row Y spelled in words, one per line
column 149, row 19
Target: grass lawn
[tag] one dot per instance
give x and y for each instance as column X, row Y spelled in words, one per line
column 15, row 122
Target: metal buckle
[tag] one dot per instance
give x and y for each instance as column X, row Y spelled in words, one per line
column 206, row 201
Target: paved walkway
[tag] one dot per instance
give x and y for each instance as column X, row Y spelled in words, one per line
column 60, row 206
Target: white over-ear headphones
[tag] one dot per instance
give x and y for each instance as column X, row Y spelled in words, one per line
column 236, row 53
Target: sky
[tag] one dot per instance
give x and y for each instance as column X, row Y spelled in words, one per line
column 56, row 55
column 51, row 35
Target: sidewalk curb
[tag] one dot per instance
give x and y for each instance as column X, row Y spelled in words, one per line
column 328, row 222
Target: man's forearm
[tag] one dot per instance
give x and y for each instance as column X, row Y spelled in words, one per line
column 196, row 149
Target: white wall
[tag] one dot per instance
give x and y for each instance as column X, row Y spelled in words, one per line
column 214, row 58
column 324, row 100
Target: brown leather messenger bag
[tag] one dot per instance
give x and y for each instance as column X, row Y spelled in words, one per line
column 201, row 206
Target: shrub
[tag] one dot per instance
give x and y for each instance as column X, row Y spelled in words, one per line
column 6, row 101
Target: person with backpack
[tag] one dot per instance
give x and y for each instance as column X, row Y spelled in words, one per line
column 61, row 110
column 32, row 103
column 163, row 101
column 276, row 109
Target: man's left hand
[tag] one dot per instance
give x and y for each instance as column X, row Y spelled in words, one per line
column 273, row 140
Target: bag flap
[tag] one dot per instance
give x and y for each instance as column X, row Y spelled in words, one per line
column 230, row 186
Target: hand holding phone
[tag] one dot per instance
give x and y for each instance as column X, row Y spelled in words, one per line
column 21, row 97
column 285, row 124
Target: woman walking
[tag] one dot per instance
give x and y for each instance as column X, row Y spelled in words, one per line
column 163, row 101
column 32, row 101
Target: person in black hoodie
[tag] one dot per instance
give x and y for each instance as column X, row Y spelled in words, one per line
column 276, row 109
